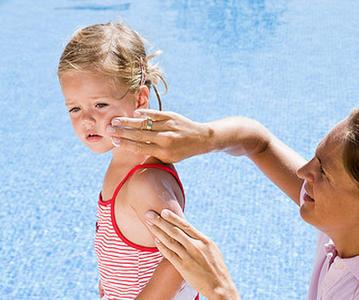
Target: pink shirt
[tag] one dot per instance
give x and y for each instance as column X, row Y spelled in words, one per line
column 333, row 278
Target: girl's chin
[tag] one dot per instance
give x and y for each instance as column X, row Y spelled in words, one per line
column 99, row 149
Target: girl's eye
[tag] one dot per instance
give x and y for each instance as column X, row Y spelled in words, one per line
column 101, row 105
column 74, row 109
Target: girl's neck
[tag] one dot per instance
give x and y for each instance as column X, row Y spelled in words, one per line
column 124, row 159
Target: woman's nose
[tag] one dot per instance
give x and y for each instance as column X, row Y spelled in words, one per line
column 307, row 172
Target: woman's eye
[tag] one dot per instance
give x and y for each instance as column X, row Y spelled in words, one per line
column 74, row 109
column 101, row 105
column 322, row 170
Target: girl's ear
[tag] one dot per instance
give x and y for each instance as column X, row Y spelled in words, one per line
column 142, row 97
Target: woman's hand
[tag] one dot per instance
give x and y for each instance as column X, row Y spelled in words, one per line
column 171, row 139
column 196, row 257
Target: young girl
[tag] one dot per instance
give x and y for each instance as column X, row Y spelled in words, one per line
column 104, row 72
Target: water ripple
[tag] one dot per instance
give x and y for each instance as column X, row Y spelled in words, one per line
column 231, row 25
column 97, row 7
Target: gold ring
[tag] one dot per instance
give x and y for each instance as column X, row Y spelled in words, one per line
column 149, row 123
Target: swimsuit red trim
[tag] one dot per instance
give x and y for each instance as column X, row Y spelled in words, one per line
column 103, row 202
column 118, row 188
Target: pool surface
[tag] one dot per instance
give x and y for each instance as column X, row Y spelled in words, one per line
column 292, row 65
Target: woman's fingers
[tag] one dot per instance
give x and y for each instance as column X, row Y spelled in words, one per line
column 155, row 115
column 168, row 233
column 181, row 223
column 140, row 119
column 171, row 240
column 172, row 256
column 143, row 136
column 138, row 124
column 136, row 147
column 146, row 148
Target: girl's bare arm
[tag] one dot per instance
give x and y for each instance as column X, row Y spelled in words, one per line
column 155, row 189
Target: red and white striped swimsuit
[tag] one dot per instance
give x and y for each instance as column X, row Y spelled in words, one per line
column 125, row 267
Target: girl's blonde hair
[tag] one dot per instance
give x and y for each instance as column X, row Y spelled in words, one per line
column 115, row 50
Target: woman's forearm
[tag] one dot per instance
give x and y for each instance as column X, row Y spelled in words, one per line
column 237, row 136
column 243, row 136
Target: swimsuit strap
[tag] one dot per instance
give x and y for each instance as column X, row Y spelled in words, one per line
column 148, row 166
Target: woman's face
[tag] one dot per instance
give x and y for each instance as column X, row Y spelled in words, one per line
column 92, row 101
column 331, row 195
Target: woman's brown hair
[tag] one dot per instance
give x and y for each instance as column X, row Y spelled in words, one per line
column 351, row 146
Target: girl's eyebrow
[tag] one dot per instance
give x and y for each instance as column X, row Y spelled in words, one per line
column 102, row 97
column 69, row 101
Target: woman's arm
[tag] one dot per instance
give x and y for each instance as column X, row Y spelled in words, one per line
column 195, row 256
column 174, row 137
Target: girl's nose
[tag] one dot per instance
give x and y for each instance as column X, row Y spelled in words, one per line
column 307, row 172
column 88, row 120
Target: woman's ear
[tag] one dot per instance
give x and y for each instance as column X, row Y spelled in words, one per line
column 142, row 97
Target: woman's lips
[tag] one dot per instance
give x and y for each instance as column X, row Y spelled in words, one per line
column 92, row 138
column 307, row 198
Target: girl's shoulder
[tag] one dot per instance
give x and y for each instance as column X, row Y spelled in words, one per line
column 155, row 186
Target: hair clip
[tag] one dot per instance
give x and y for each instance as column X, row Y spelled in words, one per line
column 143, row 74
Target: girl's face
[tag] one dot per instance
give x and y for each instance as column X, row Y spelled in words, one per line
column 92, row 100
column 331, row 195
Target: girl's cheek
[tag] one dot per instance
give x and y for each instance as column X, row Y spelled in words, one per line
column 76, row 126
column 107, row 117
column 75, row 123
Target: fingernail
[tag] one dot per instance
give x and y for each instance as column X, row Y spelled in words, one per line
column 116, row 142
column 110, row 129
column 116, row 122
column 150, row 215
column 157, row 241
column 137, row 113
column 165, row 213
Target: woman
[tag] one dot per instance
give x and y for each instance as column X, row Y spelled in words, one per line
column 326, row 188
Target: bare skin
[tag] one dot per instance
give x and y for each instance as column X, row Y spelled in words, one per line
column 331, row 194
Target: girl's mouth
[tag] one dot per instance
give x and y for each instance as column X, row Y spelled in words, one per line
column 92, row 138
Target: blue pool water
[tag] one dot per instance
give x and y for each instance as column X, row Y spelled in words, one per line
column 293, row 65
